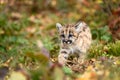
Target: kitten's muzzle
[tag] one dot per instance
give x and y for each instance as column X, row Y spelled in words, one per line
column 67, row 41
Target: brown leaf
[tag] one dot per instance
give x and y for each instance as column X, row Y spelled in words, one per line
column 16, row 16
column 116, row 12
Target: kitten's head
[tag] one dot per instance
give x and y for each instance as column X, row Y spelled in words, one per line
column 69, row 33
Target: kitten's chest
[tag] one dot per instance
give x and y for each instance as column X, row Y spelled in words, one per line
column 74, row 49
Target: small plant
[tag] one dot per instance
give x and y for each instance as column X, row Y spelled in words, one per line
column 105, row 50
column 102, row 34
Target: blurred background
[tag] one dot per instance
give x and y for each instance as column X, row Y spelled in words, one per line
column 29, row 43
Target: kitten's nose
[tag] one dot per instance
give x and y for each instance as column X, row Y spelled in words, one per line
column 67, row 41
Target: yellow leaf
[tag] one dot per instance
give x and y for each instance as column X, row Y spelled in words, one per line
column 17, row 76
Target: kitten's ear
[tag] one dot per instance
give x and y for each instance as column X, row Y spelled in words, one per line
column 58, row 26
column 79, row 26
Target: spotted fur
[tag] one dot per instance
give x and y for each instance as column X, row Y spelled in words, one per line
column 74, row 39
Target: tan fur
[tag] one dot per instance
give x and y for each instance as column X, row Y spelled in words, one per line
column 74, row 39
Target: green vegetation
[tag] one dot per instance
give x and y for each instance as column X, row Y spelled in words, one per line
column 29, row 43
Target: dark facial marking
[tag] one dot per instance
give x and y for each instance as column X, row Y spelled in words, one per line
column 70, row 35
column 62, row 35
column 63, row 52
column 84, row 28
column 62, row 31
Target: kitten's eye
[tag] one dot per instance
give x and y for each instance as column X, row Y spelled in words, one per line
column 62, row 35
column 70, row 35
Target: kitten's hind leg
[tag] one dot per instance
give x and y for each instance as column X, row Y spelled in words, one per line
column 81, row 58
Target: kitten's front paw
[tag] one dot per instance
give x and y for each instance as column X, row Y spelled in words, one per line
column 62, row 59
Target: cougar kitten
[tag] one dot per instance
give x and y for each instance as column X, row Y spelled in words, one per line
column 74, row 39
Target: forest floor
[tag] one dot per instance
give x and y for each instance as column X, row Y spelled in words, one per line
column 29, row 45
